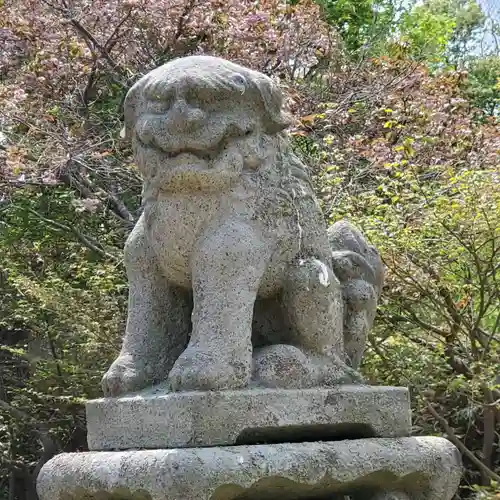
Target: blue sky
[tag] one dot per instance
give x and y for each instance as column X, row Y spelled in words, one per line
column 491, row 7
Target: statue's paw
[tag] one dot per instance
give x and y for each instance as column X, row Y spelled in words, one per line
column 285, row 367
column 124, row 376
column 288, row 367
column 336, row 372
column 201, row 370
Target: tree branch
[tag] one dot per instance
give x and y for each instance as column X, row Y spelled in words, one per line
column 16, row 413
column 92, row 43
column 454, row 439
column 49, row 444
column 489, row 420
column 413, row 318
column 81, row 237
column 87, row 189
column 110, row 41
column 118, row 206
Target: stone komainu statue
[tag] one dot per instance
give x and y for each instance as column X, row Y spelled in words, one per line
column 234, row 278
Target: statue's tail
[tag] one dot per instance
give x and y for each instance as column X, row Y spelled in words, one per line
column 360, row 270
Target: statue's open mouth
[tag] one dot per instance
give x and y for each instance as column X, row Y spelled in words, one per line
column 192, row 154
column 185, row 154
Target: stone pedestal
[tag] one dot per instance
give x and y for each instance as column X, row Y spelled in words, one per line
column 365, row 469
column 347, row 442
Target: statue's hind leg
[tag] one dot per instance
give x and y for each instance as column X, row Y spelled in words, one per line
column 312, row 301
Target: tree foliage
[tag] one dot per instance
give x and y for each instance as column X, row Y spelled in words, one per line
column 411, row 165
column 483, row 84
column 408, row 153
column 455, row 24
column 360, row 23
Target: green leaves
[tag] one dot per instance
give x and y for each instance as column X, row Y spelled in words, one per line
column 360, row 22
column 62, row 315
column 483, row 84
column 442, row 31
column 419, row 174
column 428, row 31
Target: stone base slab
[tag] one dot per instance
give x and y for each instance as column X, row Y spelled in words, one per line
column 418, row 468
column 154, row 419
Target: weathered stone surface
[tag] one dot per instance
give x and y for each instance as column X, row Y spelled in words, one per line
column 418, row 468
column 178, row 420
column 231, row 225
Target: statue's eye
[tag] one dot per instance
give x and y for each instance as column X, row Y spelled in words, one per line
column 158, row 103
column 239, row 80
column 158, row 106
column 199, row 97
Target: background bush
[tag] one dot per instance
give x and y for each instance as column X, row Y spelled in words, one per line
column 397, row 117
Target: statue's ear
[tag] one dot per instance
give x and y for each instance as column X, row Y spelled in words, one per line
column 276, row 119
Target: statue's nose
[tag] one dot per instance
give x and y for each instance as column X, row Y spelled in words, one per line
column 184, row 117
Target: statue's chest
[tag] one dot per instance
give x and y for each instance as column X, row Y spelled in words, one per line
column 174, row 227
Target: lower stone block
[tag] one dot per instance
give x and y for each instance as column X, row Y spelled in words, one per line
column 418, row 468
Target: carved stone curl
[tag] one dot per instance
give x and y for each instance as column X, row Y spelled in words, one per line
column 234, row 278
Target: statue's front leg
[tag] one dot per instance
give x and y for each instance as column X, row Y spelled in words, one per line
column 227, row 269
column 157, row 324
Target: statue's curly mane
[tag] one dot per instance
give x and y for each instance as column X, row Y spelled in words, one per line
column 286, row 173
column 284, row 188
